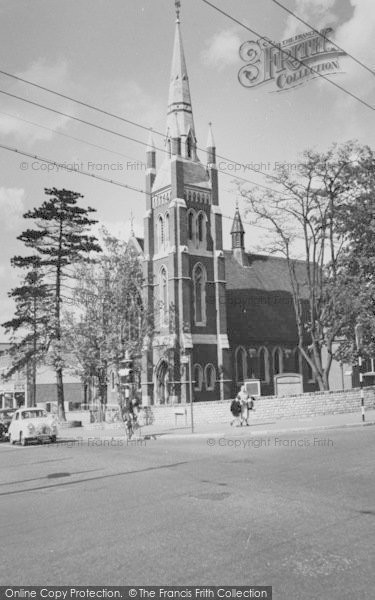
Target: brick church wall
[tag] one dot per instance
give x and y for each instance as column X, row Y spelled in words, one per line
column 269, row 407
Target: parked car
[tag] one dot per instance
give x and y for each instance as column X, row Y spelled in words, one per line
column 32, row 424
column 6, row 415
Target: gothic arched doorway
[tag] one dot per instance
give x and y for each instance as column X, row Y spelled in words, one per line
column 162, row 379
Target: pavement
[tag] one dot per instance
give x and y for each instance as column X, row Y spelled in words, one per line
column 257, row 428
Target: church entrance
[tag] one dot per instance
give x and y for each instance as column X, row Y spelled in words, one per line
column 162, row 378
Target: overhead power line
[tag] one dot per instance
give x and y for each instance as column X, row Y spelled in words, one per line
column 71, row 137
column 293, row 14
column 75, row 100
column 115, row 116
column 301, row 62
column 71, row 168
column 127, row 137
column 83, row 121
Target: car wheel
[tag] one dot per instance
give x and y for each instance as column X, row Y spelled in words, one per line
column 23, row 441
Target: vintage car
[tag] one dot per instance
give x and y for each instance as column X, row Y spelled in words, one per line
column 6, row 415
column 32, row 424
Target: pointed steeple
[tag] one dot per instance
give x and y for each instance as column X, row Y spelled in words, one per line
column 237, row 232
column 238, row 244
column 179, row 100
column 210, row 146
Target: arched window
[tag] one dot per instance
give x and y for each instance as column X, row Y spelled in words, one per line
column 198, row 377
column 199, row 284
column 200, row 225
column 210, row 377
column 188, row 146
column 167, row 232
column 241, row 366
column 309, row 371
column 296, row 365
column 190, row 224
column 263, row 365
column 113, row 381
column 163, row 297
column 161, row 232
column 277, row 361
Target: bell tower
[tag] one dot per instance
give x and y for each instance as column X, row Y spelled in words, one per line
column 184, row 267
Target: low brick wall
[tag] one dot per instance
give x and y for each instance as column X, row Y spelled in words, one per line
column 269, row 407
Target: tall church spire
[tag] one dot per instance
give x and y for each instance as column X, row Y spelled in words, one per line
column 179, row 100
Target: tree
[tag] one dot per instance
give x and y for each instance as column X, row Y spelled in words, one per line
column 29, row 342
column 354, row 288
column 304, row 216
column 59, row 241
column 109, row 316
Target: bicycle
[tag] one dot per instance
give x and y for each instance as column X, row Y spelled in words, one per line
column 131, row 425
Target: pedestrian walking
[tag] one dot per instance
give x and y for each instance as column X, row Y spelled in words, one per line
column 235, row 409
column 243, row 398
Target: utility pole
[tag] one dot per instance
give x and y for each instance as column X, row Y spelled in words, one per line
column 191, row 394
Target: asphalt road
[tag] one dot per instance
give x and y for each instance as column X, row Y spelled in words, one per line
column 283, row 510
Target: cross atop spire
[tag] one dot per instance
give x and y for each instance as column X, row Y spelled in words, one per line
column 179, row 100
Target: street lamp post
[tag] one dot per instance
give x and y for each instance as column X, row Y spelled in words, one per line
column 186, row 360
column 359, row 344
column 191, row 394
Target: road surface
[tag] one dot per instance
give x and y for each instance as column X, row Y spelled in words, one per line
column 295, row 511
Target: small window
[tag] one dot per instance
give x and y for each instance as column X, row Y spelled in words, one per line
column 198, row 377
column 199, row 283
column 210, row 377
column 166, row 233
column 163, row 297
column 296, row 361
column 190, row 225
column 309, row 371
column 241, row 360
column 263, row 365
column 161, row 232
column 200, row 227
column 113, row 381
column 277, row 361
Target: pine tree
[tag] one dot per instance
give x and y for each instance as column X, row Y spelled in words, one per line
column 27, row 328
column 60, row 240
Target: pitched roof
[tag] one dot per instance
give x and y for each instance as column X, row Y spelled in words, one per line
column 140, row 242
column 268, row 273
column 259, row 300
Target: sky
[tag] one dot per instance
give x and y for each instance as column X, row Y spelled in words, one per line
column 117, row 55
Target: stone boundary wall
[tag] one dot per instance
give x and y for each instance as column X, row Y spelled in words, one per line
column 269, row 407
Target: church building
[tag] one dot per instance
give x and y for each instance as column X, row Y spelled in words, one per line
column 221, row 316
